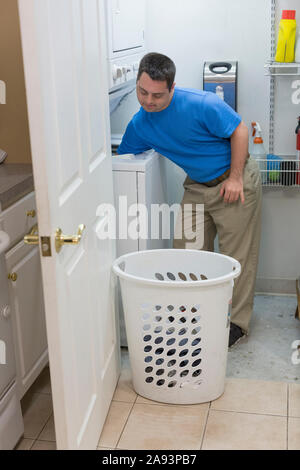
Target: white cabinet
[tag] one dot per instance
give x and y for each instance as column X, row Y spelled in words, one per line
column 27, row 306
column 126, row 26
column 25, row 294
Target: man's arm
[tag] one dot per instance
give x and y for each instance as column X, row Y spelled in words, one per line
column 232, row 188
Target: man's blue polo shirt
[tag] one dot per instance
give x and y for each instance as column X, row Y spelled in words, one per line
column 193, row 131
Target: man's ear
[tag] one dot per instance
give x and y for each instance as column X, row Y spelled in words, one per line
column 173, row 86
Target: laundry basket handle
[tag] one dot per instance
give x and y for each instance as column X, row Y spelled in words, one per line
column 236, row 268
column 119, row 266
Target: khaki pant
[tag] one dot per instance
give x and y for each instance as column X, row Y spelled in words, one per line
column 238, row 227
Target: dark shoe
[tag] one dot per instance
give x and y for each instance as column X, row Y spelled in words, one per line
column 235, row 335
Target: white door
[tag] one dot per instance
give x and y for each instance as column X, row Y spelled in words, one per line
column 65, row 71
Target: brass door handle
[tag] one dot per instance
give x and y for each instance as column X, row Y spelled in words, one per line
column 32, row 238
column 61, row 239
column 12, row 277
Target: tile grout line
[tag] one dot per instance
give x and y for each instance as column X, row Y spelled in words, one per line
column 287, row 418
column 121, row 433
column 256, row 413
column 37, row 438
column 204, row 430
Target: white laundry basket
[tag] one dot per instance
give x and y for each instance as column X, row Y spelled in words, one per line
column 177, row 307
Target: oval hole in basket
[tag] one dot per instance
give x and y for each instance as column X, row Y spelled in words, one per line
column 172, row 363
column 196, row 341
column 196, row 352
column 158, row 340
column 158, row 318
column 146, row 316
column 196, row 330
column 182, row 276
column 196, row 319
column 148, row 358
column 160, row 371
column 170, row 319
column 193, row 277
column 171, row 341
column 148, row 370
column 184, row 373
column 203, row 277
column 171, row 352
column 172, row 384
column 159, row 361
column 172, row 373
column 182, row 331
column 170, row 330
column 147, row 338
column 159, row 276
column 146, row 327
column 182, row 308
column 149, row 380
column 184, row 384
column 171, row 276
column 183, row 342
column 146, row 305
column 158, row 329
column 197, row 373
column 197, row 384
column 170, row 308
column 147, row 348
column 184, row 363
column 159, row 351
column 196, row 363
column 184, row 352
column 160, row 382
column 195, row 308
column 157, row 307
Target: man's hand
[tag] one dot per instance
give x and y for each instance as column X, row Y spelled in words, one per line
column 232, row 189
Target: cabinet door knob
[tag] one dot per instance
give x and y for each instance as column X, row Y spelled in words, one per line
column 6, row 311
column 13, row 277
column 32, row 238
column 31, row 213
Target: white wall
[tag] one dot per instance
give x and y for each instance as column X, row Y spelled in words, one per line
column 193, row 31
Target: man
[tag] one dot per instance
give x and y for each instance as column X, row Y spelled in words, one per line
column 204, row 136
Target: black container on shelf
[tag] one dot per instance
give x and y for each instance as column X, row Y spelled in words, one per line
column 288, row 172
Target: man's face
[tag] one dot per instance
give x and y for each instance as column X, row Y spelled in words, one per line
column 153, row 95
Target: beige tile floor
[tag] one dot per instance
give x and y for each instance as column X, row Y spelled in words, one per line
column 250, row 414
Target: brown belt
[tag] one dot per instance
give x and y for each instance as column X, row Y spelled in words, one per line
column 217, row 180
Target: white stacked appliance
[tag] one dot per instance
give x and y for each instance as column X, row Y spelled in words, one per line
column 140, row 178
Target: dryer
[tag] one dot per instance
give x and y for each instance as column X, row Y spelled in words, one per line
column 140, row 178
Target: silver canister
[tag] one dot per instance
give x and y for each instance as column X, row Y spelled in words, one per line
column 221, row 78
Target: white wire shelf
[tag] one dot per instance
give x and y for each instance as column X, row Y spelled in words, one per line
column 282, row 69
column 284, row 173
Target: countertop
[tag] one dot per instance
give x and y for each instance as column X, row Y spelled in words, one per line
column 16, row 180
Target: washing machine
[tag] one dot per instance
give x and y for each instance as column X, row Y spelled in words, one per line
column 11, row 420
column 138, row 179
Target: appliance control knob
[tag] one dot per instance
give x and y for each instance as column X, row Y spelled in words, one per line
column 126, row 69
column 116, row 72
column 6, row 311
